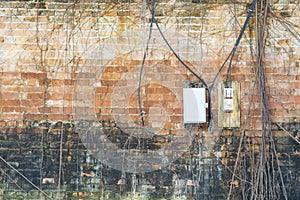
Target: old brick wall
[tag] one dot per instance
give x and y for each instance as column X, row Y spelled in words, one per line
column 54, row 52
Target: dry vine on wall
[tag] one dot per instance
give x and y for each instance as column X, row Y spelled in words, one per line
column 258, row 170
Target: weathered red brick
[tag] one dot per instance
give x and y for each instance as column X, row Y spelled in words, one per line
column 35, row 96
column 35, row 102
column 30, row 75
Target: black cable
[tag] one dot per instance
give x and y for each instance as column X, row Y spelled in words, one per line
column 220, row 69
column 232, row 52
column 230, row 56
column 210, row 115
column 239, row 39
column 142, row 67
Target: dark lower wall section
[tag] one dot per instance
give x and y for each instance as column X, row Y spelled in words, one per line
column 53, row 159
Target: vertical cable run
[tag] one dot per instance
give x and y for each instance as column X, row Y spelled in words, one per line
column 143, row 63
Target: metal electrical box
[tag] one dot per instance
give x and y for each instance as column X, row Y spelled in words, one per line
column 194, row 105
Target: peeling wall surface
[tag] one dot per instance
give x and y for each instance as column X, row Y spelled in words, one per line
column 91, row 99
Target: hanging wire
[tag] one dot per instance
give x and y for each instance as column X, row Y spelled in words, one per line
column 232, row 52
column 25, row 178
column 239, row 38
column 153, row 20
column 294, row 138
column 12, row 181
column 143, row 64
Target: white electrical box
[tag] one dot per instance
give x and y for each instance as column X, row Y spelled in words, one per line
column 194, row 105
